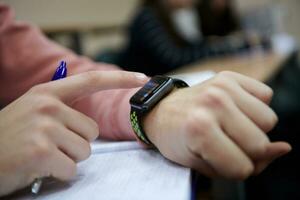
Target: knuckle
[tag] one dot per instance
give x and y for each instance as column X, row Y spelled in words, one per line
column 86, row 151
column 226, row 73
column 194, row 148
column 215, row 97
column 46, row 126
column 38, row 89
column 260, row 149
column 243, row 172
column 41, row 148
column 223, row 81
column 199, row 128
column 47, row 106
column 221, row 77
column 122, row 77
column 71, row 171
column 203, row 167
column 68, row 173
column 269, row 92
column 91, row 77
column 125, row 75
column 94, row 131
column 199, row 122
column 270, row 122
column 274, row 120
column 266, row 94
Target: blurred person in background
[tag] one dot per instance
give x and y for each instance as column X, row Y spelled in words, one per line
column 167, row 34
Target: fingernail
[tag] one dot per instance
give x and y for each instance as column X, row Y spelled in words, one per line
column 283, row 153
column 141, row 76
column 290, row 148
column 287, row 150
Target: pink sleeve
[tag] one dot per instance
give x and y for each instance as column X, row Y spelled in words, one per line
column 28, row 58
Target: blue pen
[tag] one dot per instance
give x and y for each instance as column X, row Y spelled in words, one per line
column 61, row 72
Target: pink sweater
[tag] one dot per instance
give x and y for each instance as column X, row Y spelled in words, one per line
column 28, row 58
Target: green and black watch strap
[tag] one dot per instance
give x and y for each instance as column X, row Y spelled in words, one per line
column 136, row 116
column 135, row 119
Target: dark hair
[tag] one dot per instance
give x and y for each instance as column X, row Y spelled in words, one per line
column 219, row 24
column 210, row 24
column 163, row 14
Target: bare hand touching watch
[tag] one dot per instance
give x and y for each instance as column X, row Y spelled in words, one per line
column 41, row 135
column 218, row 127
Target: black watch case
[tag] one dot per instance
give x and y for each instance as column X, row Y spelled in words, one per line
column 149, row 95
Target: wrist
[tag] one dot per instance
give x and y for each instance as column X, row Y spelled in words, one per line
column 148, row 99
column 154, row 120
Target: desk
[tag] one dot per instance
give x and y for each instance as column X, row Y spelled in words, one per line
column 260, row 66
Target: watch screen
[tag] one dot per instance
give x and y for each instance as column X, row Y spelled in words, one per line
column 149, row 89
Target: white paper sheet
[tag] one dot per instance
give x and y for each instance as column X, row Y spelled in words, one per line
column 124, row 172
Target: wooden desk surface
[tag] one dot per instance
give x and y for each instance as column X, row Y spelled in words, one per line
column 260, row 66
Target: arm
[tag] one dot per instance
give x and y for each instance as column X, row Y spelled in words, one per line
column 28, row 58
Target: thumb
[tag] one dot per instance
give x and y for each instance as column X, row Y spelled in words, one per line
column 273, row 151
column 277, row 149
column 77, row 86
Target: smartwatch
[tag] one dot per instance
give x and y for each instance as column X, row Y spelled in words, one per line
column 147, row 97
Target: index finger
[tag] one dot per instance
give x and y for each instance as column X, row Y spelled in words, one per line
column 77, row 86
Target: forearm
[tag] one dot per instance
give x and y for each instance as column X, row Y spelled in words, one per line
column 29, row 58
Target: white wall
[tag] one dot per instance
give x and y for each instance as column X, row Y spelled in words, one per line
column 290, row 10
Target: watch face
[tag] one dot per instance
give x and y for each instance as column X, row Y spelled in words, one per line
column 146, row 93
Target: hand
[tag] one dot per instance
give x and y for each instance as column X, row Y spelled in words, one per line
column 40, row 135
column 218, row 127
